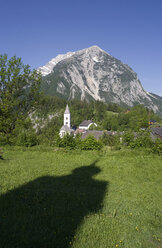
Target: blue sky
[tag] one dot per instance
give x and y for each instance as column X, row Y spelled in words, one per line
column 129, row 30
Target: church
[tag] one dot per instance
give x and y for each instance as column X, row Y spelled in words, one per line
column 66, row 127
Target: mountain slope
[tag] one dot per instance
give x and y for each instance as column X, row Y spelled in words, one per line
column 157, row 100
column 94, row 74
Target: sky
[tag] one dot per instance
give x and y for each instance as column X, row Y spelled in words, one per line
column 130, row 30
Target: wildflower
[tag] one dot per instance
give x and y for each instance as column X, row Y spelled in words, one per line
column 137, row 228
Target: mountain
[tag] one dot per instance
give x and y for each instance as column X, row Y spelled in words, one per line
column 92, row 73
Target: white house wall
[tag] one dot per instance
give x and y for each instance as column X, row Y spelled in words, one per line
column 87, row 127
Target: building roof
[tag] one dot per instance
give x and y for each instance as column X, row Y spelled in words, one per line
column 65, row 128
column 78, row 130
column 67, row 111
column 157, row 131
column 96, row 134
column 85, row 123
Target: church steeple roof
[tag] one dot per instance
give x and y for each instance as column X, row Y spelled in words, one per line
column 67, row 111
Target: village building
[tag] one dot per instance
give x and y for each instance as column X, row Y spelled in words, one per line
column 85, row 125
column 156, row 132
column 84, row 131
column 95, row 133
column 66, row 128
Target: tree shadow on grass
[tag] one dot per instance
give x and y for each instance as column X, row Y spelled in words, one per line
column 47, row 211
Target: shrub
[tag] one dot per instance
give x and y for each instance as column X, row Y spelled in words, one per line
column 128, row 138
column 20, row 137
column 26, row 138
column 111, row 140
column 4, row 139
column 143, row 139
column 157, row 147
column 78, row 141
column 90, row 143
column 67, row 141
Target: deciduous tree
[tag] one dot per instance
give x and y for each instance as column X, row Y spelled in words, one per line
column 19, row 92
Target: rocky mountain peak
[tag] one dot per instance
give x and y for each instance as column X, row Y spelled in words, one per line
column 92, row 73
column 48, row 68
column 93, row 49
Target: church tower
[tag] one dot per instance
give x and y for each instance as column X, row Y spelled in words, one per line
column 67, row 116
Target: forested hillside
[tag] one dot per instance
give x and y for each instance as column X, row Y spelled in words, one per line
column 48, row 117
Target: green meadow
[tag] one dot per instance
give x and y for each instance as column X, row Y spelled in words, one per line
column 80, row 199
column 111, row 113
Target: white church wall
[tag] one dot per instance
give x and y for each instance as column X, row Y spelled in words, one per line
column 67, row 120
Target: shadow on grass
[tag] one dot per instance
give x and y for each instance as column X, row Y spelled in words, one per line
column 47, row 211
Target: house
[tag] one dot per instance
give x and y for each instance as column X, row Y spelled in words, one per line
column 83, row 128
column 66, row 127
column 95, row 133
column 156, row 132
column 85, row 125
column 151, row 122
column 79, row 131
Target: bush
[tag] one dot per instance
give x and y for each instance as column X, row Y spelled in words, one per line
column 4, row 139
column 128, row 138
column 111, row 140
column 78, row 141
column 157, row 147
column 143, row 139
column 67, row 141
column 90, row 143
column 22, row 135
column 26, row 138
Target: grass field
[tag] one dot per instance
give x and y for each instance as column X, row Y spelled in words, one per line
column 52, row 198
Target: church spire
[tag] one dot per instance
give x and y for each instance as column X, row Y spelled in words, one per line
column 67, row 111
